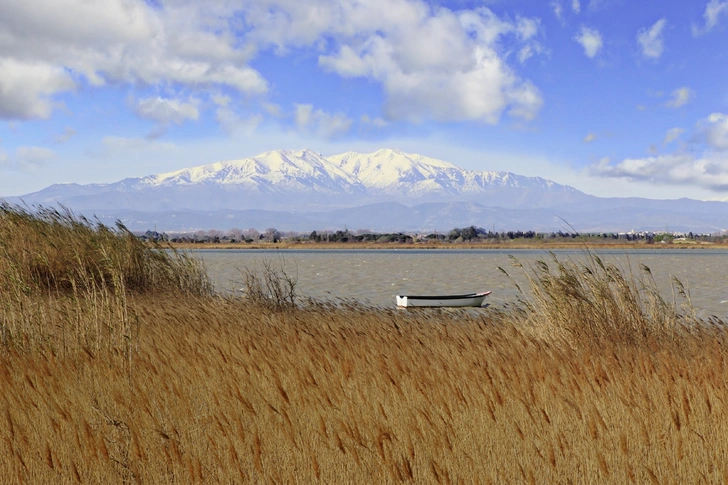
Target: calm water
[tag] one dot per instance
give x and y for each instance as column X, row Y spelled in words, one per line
column 376, row 276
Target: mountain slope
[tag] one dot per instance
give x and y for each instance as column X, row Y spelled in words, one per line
column 283, row 179
column 387, row 189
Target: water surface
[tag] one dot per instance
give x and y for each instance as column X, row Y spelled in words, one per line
column 375, row 276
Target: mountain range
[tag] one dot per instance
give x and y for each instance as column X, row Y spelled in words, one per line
column 387, row 190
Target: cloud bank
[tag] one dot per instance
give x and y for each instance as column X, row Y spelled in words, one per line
column 431, row 62
column 706, row 167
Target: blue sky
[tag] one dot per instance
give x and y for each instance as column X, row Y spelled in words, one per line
column 616, row 98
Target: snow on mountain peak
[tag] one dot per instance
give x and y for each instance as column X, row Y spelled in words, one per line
column 279, row 166
column 389, row 167
column 386, row 172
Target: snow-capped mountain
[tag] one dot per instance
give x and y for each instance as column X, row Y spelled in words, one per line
column 305, row 180
column 302, row 188
column 397, row 173
column 283, row 170
column 380, row 174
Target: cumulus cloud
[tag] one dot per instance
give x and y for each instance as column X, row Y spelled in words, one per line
column 67, row 134
column 48, row 47
column 32, row 158
column 707, row 168
column 326, row 125
column 432, row 62
column 590, row 40
column 715, row 128
column 441, row 65
column 166, row 110
column 651, row 41
column 709, row 171
column 233, row 123
column 220, row 100
column 273, row 109
column 680, row 97
column 558, row 10
column 527, row 28
column 713, row 11
column 27, row 87
column 576, row 6
column 375, row 122
column 590, row 137
column 672, row 135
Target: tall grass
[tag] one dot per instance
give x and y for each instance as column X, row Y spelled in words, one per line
column 222, row 392
column 592, row 378
column 65, row 280
column 594, row 300
column 49, row 250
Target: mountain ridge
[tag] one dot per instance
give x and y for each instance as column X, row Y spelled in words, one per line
column 304, row 183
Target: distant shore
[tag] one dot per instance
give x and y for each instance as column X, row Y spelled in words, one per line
column 508, row 245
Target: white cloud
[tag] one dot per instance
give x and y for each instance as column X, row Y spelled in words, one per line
column 376, row 122
column 576, row 6
column 715, row 128
column 590, row 137
column 713, row 11
column 50, row 46
column 235, row 124
column 651, row 41
column 590, row 40
column 707, row 169
column 680, row 97
column 67, row 134
column 27, row 87
column 445, row 66
column 558, row 10
column 273, row 110
column 326, row 125
column 220, row 100
column 32, row 158
column 672, row 135
column 166, row 110
column 527, row 28
column 421, row 54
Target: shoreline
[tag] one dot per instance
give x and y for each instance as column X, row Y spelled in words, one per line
column 308, row 246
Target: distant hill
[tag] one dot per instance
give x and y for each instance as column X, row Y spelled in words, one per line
column 384, row 190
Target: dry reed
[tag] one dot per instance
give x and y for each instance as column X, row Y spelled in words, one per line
column 223, row 390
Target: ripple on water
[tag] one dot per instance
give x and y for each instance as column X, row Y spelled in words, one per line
column 378, row 275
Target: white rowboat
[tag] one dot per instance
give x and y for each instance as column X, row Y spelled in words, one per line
column 468, row 300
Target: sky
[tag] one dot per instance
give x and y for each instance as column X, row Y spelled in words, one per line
column 612, row 97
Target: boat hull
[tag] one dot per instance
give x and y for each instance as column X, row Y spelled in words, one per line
column 467, row 300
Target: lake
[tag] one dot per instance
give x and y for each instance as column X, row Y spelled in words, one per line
column 375, row 276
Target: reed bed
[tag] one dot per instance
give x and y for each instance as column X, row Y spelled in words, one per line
column 222, row 389
column 65, row 280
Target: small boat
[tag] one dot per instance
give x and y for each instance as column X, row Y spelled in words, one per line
column 467, row 300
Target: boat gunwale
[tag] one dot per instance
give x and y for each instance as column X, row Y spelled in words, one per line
column 445, row 297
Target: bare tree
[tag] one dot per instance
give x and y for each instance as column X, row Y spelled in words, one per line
column 272, row 235
column 251, row 233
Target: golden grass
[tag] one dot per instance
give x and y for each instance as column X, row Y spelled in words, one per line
column 224, row 393
column 592, row 378
column 65, row 281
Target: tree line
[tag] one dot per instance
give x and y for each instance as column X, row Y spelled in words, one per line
column 458, row 234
